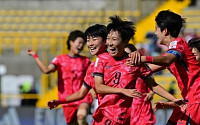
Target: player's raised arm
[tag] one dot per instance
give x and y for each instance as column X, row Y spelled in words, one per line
column 45, row 69
column 161, row 91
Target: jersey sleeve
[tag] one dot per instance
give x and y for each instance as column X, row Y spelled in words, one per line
column 176, row 47
column 88, row 79
column 145, row 71
column 99, row 67
column 55, row 61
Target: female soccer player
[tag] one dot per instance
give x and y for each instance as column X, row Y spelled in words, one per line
column 114, row 109
column 71, row 69
column 181, row 62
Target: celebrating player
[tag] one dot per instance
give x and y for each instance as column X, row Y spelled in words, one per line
column 141, row 109
column 114, row 109
column 194, row 43
column 71, row 69
column 181, row 62
column 96, row 39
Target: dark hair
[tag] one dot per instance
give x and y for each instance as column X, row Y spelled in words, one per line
column 131, row 47
column 170, row 20
column 125, row 28
column 96, row 30
column 73, row 36
column 194, row 43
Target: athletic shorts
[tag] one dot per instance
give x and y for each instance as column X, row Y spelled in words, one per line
column 190, row 115
column 70, row 113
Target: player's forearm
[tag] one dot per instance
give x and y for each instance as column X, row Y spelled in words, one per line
column 104, row 89
column 162, row 92
column 155, row 68
column 74, row 97
column 158, row 60
column 78, row 95
column 169, row 104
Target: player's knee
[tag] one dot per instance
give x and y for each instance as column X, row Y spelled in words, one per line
column 81, row 114
column 82, row 122
column 81, row 117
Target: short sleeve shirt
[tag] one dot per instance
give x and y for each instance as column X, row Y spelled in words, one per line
column 116, row 74
column 186, row 69
column 71, row 72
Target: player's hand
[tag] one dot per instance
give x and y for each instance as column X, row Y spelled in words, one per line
column 159, row 105
column 53, row 104
column 183, row 107
column 131, row 93
column 179, row 102
column 134, row 59
column 30, row 52
column 149, row 96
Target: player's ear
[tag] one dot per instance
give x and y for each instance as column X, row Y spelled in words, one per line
column 71, row 42
column 166, row 32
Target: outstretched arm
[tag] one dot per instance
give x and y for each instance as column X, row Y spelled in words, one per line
column 45, row 69
column 162, row 60
column 161, row 91
column 104, row 89
column 163, row 105
column 72, row 98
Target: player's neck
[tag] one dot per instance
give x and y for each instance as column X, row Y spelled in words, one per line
column 168, row 40
column 103, row 51
column 124, row 55
column 71, row 54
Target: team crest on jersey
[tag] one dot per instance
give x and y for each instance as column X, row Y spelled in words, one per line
column 173, row 44
column 107, row 67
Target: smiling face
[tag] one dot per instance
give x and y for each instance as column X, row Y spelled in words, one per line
column 115, row 44
column 96, row 45
column 77, row 46
column 196, row 53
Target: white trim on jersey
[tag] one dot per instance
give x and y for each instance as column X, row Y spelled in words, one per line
column 96, row 62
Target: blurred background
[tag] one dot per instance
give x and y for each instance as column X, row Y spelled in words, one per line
column 44, row 25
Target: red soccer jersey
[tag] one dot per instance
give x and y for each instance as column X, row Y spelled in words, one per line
column 89, row 81
column 186, row 69
column 89, row 77
column 116, row 107
column 71, row 72
column 142, row 112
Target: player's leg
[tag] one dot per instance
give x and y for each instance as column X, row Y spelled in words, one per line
column 82, row 113
column 70, row 115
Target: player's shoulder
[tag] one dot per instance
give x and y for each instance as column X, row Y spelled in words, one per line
column 91, row 66
column 176, row 42
column 104, row 55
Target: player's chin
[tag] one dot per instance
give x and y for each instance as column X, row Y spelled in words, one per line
column 113, row 54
